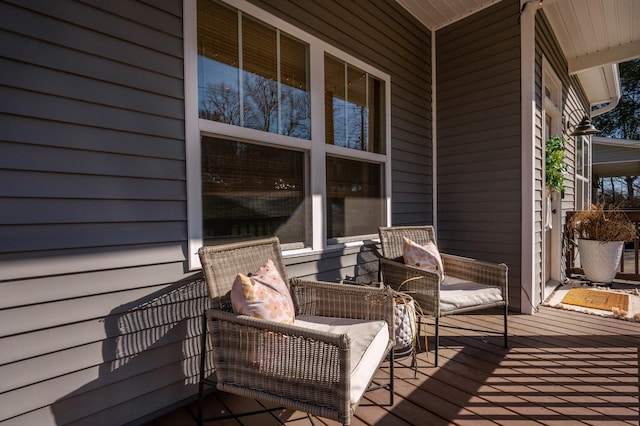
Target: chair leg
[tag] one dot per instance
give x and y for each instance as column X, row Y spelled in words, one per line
column 414, row 363
column 506, row 309
column 391, row 378
column 437, row 339
column 203, row 350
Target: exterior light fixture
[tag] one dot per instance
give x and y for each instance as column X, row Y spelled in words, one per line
column 584, row 128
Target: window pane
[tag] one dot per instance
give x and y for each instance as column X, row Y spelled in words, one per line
column 587, row 160
column 579, row 157
column 357, row 112
column 579, row 194
column 218, row 94
column 258, row 80
column 355, row 198
column 295, row 116
column 354, row 107
column 334, row 101
column 252, row 191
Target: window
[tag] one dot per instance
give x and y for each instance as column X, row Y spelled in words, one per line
column 251, row 191
column 286, row 135
column 583, row 197
column 354, row 104
column 250, row 74
column 355, row 198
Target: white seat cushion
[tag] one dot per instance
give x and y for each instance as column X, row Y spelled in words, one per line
column 369, row 340
column 456, row 293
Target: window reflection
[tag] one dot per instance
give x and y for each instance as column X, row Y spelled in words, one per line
column 355, row 199
column 354, row 107
column 252, row 191
column 258, row 80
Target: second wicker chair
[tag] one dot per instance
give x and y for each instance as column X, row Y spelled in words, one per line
column 468, row 285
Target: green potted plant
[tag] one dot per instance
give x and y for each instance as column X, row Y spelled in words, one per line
column 601, row 234
column 555, row 168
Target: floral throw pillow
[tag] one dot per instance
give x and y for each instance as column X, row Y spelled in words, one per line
column 263, row 294
column 426, row 257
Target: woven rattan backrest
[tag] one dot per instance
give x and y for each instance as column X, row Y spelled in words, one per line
column 221, row 264
column 391, row 238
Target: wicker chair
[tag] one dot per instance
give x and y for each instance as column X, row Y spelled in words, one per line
column 468, row 285
column 313, row 365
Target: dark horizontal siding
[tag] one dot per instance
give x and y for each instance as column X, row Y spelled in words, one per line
column 37, row 131
column 53, row 184
column 97, row 310
column 74, row 211
column 88, row 354
column 40, row 158
column 479, row 152
column 103, row 33
column 49, row 237
column 92, row 107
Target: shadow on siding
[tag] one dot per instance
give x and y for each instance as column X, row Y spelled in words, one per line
column 150, row 358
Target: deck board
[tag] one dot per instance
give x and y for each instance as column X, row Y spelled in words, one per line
column 561, row 368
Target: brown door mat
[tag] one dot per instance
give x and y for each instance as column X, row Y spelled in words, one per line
column 596, row 299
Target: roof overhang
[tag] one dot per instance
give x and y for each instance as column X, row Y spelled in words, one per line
column 630, row 166
column 595, row 35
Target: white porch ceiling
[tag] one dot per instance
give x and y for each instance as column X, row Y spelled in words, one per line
column 435, row 14
column 595, row 35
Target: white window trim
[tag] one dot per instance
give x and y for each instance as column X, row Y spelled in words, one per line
column 317, row 147
column 585, row 178
column 552, row 107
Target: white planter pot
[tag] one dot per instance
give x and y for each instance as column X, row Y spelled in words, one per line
column 600, row 259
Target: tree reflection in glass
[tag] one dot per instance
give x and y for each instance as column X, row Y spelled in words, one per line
column 258, row 80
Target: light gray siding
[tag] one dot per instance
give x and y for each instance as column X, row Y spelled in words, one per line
column 479, row 134
column 99, row 315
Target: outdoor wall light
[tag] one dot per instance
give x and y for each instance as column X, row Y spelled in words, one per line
column 585, row 127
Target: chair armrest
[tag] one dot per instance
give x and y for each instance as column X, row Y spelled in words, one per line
column 422, row 285
column 476, row 270
column 258, row 358
column 342, row 301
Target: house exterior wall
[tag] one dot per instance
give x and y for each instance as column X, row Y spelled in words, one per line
column 99, row 314
column 479, row 139
column 573, row 98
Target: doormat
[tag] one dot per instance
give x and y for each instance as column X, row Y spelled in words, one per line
column 597, row 299
column 632, row 313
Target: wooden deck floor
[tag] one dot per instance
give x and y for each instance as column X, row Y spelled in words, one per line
column 561, row 368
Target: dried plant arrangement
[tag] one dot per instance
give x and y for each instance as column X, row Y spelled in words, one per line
column 600, row 224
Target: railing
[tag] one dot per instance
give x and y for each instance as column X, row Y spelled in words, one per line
column 629, row 258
